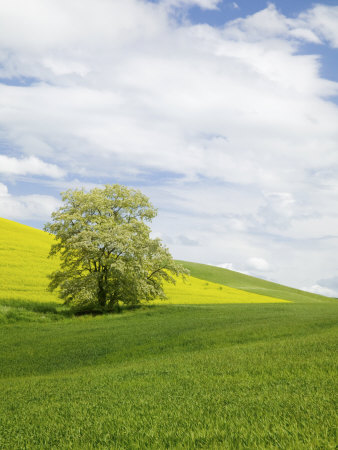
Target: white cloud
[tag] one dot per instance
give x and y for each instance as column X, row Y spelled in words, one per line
column 174, row 112
column 28, row 166
column 265, row 23
column 228, row 266
column 78, row 28
column 237, row 115
column 3, row 190
column 182, row 239
column 314, row 25
column 321, row 290
column 323, row 20
column 62, row 67
column 278, row 211
column 26, row 207
column 204, row 4
column 259, row 264
column 269, row 23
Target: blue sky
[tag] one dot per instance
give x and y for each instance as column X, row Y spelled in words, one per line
column 224, row 113
column 228, row 10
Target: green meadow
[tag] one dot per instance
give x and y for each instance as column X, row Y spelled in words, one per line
column 228, row 362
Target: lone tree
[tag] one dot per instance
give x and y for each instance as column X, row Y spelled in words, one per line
column 107, row 254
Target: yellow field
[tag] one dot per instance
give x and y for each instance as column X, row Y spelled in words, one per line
column 24, row 267
column 194, row 291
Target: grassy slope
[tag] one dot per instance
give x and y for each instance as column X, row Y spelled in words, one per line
column 250, row 284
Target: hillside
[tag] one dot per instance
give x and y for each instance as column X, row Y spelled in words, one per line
column 24, row 263
column 250, row 284
column 198, row 374
column 24, row 266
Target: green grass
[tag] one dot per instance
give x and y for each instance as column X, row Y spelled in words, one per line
column 227, row 376
column 195, row 375
column 250, row 284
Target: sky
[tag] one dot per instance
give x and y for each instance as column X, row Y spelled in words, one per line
column 224, row 113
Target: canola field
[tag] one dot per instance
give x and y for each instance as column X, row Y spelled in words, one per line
column 24, row 263
column 193, row 291
column 24, row 266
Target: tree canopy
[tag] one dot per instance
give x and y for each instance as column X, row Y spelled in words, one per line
column 106, row 252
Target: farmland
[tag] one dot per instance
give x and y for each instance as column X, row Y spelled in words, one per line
column 186, row 374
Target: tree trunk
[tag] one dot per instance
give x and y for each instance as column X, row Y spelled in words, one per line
column 102, row 293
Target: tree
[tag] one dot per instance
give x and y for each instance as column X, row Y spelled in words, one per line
column 106, row 252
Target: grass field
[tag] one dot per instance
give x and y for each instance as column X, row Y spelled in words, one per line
column 191, row 375
column 226, row 376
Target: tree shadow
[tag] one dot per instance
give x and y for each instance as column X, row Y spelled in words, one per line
column 20, row 310
column 49, row 308
column 96, row 310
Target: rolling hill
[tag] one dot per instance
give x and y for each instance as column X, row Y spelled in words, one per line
column 24, row 266
column 250, row 284
column 191, row 374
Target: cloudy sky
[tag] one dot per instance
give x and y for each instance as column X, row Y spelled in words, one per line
column 224, row 113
